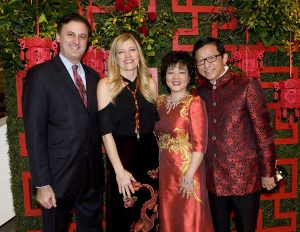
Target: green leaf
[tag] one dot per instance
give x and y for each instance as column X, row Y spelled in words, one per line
column 19, row 63
column 43, row 18
column 262, row 23
column 150, row 53
column 5, row 56
column 269, row 41
column 263, row 34
column 149, row 47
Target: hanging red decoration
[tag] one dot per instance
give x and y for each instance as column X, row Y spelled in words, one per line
column 97, row 59
column 249, row 58
column 38, row 50
column 288, row 94
column 34, row 50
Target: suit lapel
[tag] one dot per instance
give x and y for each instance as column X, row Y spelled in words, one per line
column 89, row 87
column 67, row 79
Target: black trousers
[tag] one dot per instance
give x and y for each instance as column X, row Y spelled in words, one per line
column 245, row 209
column 88, row 211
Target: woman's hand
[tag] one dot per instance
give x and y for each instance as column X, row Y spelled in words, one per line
column 186, row 188
column 124, row 180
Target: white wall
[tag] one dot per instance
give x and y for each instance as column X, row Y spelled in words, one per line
column 6, row 203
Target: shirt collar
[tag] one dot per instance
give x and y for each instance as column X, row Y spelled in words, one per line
column 214, row 82
column 69, row 65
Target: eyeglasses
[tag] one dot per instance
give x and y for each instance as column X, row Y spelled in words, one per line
column 209, row 59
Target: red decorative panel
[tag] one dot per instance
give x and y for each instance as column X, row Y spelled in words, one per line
column 279, row 125
column 194, row 10
column 34, row 50
column 22, row 141
column 282, row 194
column 288, row 94
column 20, row 76
column 97, row 59
column 29, row 211
column 37, row 49
column 249, row 58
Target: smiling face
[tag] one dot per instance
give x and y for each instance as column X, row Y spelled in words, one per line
column 211, row 71
column 73, row 39
column 177, row 78
column 127, row 57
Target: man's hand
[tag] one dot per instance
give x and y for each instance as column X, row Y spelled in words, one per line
column 46, row 197
column 268, row 183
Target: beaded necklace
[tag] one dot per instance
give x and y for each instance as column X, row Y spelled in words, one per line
column 172, row 104
column 137, row 116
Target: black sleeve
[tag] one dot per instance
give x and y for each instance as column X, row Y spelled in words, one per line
column 107, row 119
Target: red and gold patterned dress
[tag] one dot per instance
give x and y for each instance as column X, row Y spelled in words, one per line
column 180, row 131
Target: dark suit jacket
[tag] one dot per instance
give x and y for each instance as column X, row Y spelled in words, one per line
column 62, row 136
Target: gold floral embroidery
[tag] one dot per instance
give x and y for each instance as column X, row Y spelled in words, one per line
column 182, row 146
column 161, row 100
column 186, row 103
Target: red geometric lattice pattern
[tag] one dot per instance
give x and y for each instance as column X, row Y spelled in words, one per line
column 250, row 59
column 247, row 57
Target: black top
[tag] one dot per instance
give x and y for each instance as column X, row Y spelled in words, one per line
column 119, row 118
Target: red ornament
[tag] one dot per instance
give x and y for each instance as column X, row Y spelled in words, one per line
column 288, row 94
column 133, row 4
column 96, row 59
column 249, row 58
column 152, row 16
column 38, row 50
column 34, row 50
column 121, row 7
column 143, row 30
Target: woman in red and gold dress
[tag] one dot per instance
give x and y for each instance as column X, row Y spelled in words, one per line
column 182, row 135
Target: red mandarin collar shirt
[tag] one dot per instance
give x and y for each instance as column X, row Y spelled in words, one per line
column 240, row 139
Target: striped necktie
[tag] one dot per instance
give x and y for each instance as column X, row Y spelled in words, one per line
column 79, row 85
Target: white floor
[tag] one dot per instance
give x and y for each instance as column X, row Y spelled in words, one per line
column 6, row 202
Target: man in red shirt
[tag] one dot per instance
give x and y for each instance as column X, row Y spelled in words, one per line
column 240, row 157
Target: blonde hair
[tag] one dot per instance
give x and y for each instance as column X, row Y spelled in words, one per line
column 115, row 83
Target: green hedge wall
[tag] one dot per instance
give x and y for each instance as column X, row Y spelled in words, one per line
column 17, row 19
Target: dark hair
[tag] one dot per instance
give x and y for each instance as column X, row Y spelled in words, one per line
column 73, row 17
column 209, row 40
column 173, row 58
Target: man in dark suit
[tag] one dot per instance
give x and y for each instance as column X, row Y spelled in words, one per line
column 62, row 136
column 240, row 157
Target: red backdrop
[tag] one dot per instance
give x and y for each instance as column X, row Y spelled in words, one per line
column 247, row 57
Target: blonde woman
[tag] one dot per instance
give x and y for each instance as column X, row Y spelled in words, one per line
column 127, row 116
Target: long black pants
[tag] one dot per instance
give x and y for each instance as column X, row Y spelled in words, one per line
column 245, row 210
